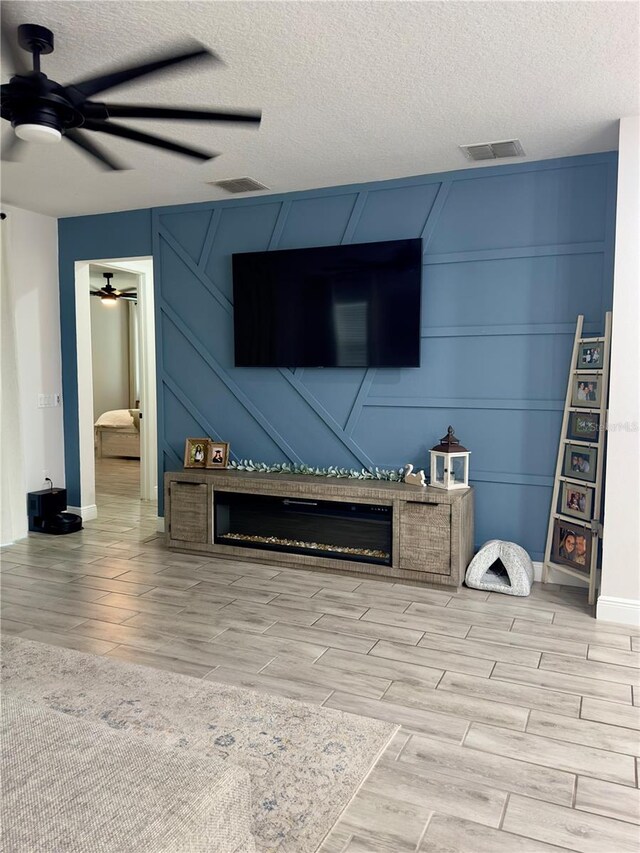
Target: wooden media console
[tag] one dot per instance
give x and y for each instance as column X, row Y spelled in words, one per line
column 372, row 527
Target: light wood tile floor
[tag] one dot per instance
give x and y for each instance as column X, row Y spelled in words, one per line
column 519, row 729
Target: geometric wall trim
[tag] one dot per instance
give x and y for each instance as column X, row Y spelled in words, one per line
column 511, row 255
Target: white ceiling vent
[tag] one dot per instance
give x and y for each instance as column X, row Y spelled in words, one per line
column 493, row 150
column 239, row 185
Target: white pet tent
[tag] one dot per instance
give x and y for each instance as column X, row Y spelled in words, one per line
column 501, row 567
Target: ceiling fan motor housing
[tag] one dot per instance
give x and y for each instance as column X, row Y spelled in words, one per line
column 37, row 100
column 35, row 105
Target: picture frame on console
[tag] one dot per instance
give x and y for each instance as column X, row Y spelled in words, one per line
column 571, row 545
column 218, row 455
column 196, row 452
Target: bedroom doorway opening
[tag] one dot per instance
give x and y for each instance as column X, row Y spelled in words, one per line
column 116, row 384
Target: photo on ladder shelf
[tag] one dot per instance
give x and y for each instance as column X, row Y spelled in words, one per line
column 590, row 355
column 586, row 391
column 571, row 545
column 584, row 426
column 576, row 501
column 580, row 462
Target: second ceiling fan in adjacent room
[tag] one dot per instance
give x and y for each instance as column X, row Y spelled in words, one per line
column 110, row 296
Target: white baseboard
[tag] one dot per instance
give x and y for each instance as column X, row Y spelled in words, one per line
column 160, row 524
column 623, row 610
column 86, row 513
column 16, row 535
column 556, row 577
column 20, row 537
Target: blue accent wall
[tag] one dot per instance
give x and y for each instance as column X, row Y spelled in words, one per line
column 88, row 238
column 511, row 255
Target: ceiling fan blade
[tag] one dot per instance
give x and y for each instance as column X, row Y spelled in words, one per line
column 95, row 293
column 13, row 148
column 138, row 111
column 129, row 297
column 12, row 50
column 147, row 139
column 82, row 141
column 92, row 85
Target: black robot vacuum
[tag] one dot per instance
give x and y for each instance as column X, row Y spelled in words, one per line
column 46, row 511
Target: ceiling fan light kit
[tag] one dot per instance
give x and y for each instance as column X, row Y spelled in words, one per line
column 42, row 110
column 38, row 133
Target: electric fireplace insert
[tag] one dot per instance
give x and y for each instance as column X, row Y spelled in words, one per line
column 338, row 529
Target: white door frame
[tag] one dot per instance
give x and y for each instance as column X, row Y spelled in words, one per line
column 143, row 267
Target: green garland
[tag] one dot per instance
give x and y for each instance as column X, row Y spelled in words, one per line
column 393, row 475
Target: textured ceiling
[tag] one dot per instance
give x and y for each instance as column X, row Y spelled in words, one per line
column 350, row 91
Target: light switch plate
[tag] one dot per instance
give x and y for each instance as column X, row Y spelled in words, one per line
column 47, row 401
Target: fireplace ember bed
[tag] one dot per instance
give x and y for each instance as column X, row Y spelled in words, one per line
column 339, row 529
column 392, row 530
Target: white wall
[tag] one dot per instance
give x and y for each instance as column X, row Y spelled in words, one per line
column 619, row 599
column 33, row 269
column 109, row 355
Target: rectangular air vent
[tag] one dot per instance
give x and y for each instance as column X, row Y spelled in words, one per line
column 239, row 185
column 493, row 150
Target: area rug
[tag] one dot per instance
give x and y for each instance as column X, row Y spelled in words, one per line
column 305, row 762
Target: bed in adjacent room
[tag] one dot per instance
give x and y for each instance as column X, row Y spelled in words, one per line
column 117, row 433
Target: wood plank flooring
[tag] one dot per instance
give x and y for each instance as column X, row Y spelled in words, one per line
column 519, row 728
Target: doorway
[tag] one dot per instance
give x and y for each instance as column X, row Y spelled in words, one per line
column 117, row 373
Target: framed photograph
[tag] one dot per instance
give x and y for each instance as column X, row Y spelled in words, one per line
column 583, row 426
column 195, row 452
column 587, row 391
column 218, row 454
column 580, row 462
column 576, row 501
column 590, row 355
column 571, row 545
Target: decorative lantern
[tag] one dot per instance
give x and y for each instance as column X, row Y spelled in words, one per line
column 450, row 463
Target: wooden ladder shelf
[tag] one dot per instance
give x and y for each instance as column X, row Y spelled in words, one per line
column 575, row 519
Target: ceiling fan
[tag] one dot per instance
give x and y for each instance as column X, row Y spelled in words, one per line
column 41, row 110
column 110, row 296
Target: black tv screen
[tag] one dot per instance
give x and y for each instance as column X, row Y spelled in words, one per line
column 355, row 305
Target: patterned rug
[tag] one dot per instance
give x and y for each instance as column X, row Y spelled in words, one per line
column 305, row 762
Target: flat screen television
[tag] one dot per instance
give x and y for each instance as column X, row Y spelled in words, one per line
column 355, row 305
